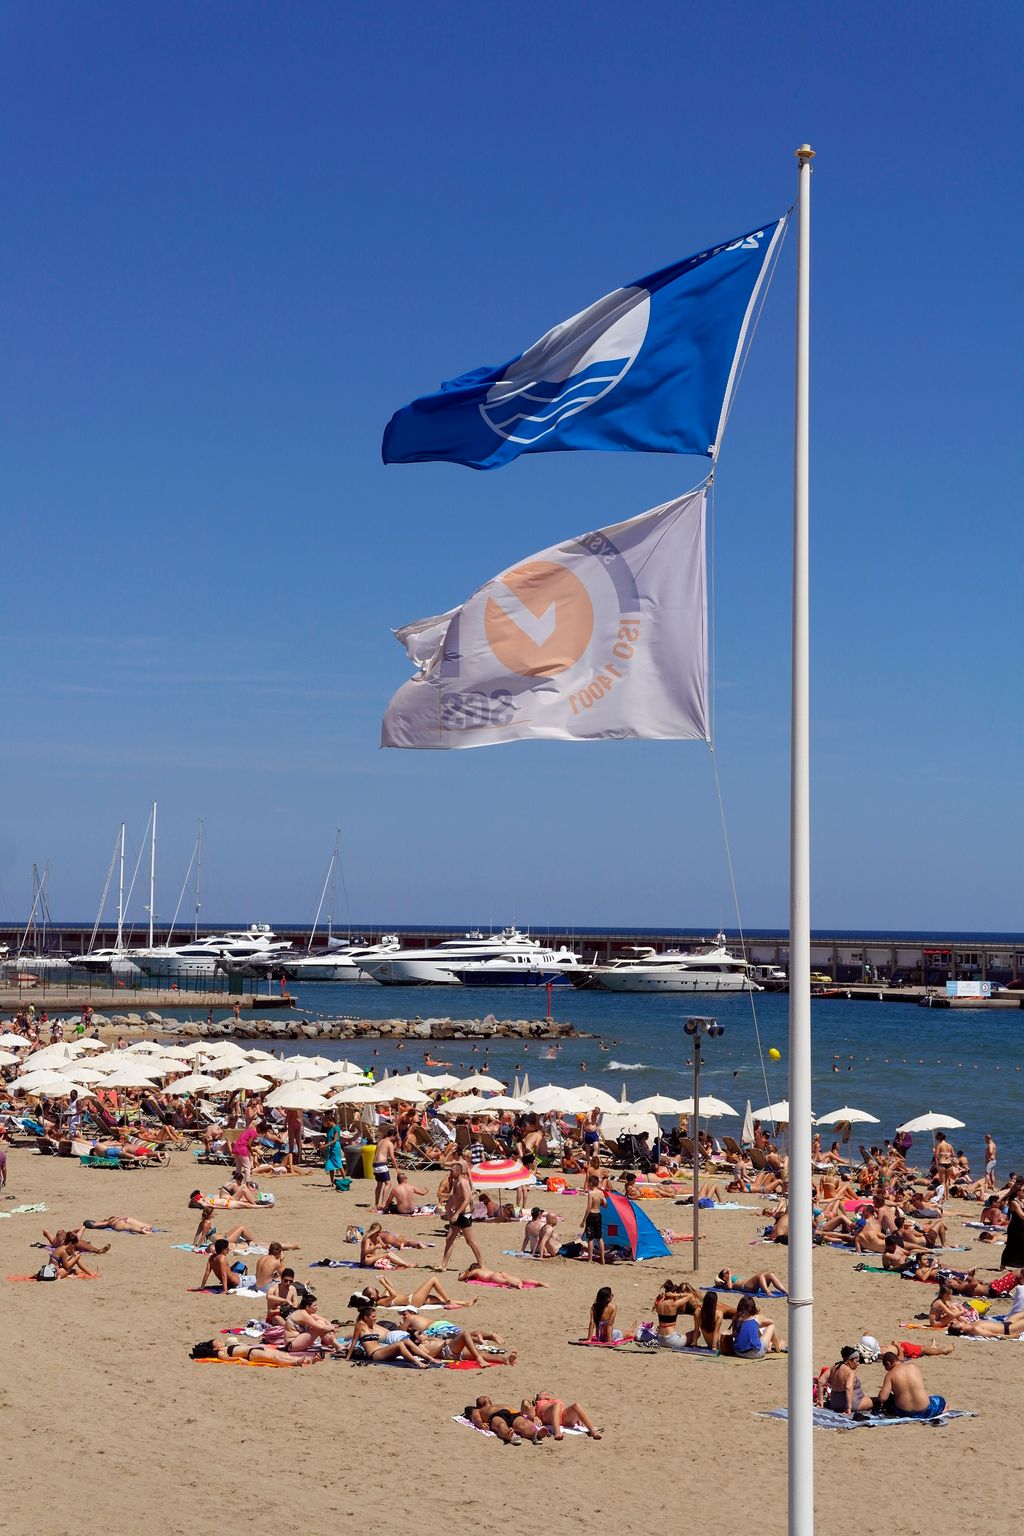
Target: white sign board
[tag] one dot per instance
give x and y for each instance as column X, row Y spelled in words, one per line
column 968, row 989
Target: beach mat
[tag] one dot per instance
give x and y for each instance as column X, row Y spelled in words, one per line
column 824, row 1418
column 458, row 1418
column 19, row 1279
column 269, row 1365
column 496, row 1285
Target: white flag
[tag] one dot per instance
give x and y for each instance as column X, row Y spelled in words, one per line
column 602, row 637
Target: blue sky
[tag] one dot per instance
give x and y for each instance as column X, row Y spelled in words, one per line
column 237, row 238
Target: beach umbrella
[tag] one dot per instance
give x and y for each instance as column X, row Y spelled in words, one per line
column 657, row 1104
column 363, row 1093
column 87, row 1043
column 406, row 1094
column 51, row 1055
column 258, row 1057
column 524, row 1091
column 129, row 1076
column 196, row 1082
column 421, row 1080
column 709, row 1107
column 67, row 1090
column 747, row 1133
column 442, row 1080
column 778, row 1112
column 594, row 1098
column 338, row 1081
column 11, row 1041
column 552, row 1097
column 39, row 1082
column 246, row 1079
column 301, row 1094
column 468, row 1104
column 851, row 1116
column 623, row 1097
column 515, row 1086
column 933, row 1122
column 479, row 1080
column 8, row 1059
column 628, row 1124
column 144, row 1046
column 110, row 1061
column 501, row 1173
column 82, row 1073
column 499, row 1101
column 295, row 1070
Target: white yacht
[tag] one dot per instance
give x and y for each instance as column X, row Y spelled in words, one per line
column 202, row 957
column 506, row 959
column 645, row 970
column 341, row 962
column 113, row 961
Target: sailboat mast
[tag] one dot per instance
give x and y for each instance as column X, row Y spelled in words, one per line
column 152, row 873
column 334, row 884
column 800, row 1304
column 199, row 871
column 120, row 896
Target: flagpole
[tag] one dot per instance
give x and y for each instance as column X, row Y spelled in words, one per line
column 800, row 1307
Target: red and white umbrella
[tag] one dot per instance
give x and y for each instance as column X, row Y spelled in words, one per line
column 501, row 1173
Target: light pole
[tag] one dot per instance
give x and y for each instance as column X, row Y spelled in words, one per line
column 697, row 1028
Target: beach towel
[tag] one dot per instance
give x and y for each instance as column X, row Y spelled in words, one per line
column 742, row 1290
column 627, row 1338
column 273, row 1365
column 18, row 1279
column 824, row 1418
column 335, row 1264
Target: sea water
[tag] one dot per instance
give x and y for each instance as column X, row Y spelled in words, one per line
column 894, row 1060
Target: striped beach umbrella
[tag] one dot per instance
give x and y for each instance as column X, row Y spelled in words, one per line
column 501, row 1173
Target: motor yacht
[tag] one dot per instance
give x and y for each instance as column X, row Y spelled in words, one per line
column 643, row 969
column 342, row 962
column 506, row 959
column 202, row 957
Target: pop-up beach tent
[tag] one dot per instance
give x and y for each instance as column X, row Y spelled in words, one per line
column 624, row 1225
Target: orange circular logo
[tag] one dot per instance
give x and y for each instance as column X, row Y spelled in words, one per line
column 539, row 619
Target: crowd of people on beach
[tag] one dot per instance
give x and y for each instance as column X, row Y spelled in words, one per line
column 880, row 1209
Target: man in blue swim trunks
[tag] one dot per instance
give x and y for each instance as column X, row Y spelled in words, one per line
column 903, row 1394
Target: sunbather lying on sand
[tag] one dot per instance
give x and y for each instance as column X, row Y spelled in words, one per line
column 241, row 1349
column 375, row 1253
column 379, row 1346
column 556, row 1415
column 120, row 1224
column 430, row 1293
column 478, row 1274
column 206, row 1231
column 60, row 1238
column 766, row 1281
column 509, row 1425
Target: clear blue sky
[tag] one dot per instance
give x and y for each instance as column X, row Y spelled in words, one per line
column 237, row 237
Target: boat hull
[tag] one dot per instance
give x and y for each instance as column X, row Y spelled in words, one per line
column 679, row 982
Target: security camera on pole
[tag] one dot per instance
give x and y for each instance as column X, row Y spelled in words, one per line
column 697, row 1028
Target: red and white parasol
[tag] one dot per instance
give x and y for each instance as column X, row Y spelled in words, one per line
column 501, row 1173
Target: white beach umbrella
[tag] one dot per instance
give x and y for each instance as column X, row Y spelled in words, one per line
column 524, row 1090
column 144, row 1047
column 87, row 1043
column 39, row 1082
column 295, row 1071
column 478, row 1080
column 418, row 1080
column 442, row 1080
column 301, row 1094
column 129, row 1076
column 595, row 1098
column 933, row 1122
column 246, row 1080
column 51, row 1055
column 851, row 1116
column 407, row 1095
column 348, row 1066
column 657, row 1104
column 110, row 1061
column 515, row 1086
column 8, row 1059
column 260, row 1057
column 747, row 1133
column 467, row 1104
column 81, row 1072
column 709, row 1107
column 629, row 1124
column 196, row 1082
column 364, row 1093
column 552, row 1097
column 68, row 1089
column 778, row 1112
column 339, row 1080
column 499, row 1101
column 11, row 1041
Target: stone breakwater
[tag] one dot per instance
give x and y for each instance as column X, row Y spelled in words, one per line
column 152, row 1025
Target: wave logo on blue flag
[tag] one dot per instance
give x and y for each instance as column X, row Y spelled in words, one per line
column 651, row 367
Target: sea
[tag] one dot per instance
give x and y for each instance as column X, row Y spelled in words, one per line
column 894, row 1060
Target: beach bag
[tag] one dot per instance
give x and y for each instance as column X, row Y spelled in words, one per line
column 47, row 1271
column 555, row 1184
column 1004, row 1285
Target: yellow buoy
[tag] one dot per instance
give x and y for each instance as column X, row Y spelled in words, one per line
column 775, row 1054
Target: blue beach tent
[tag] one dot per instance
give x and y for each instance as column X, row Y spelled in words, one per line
column 624, row 1225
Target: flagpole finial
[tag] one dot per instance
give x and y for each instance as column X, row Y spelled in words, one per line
column 805, row 152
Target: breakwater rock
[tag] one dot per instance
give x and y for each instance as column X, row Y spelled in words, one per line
column 345, row 1028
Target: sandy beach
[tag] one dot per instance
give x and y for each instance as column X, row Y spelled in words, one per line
column 106, row 1421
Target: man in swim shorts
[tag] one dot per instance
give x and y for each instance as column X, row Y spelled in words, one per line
column 903, row 1394
column 456, row 1209
column 382, row 1160
column 592, row 1228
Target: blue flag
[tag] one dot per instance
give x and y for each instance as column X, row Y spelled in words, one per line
column 651, row 367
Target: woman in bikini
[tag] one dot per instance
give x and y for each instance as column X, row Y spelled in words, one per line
column 672, row 1302
column 765, row 1281
column 845, row 1393
column 258, row 1354
column 370, row 1343
column 374, row 1252
column 430, row 1293
column 120, row 1224
column 505, row 1422
column 457, row 1346
column 707, row 1325
column 601, row 1327
column 557, row 1416
column 476, row 1273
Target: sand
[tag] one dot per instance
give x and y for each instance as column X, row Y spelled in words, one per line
column 107, row 1425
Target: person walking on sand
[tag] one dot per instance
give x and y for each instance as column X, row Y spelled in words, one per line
column 990, row 1161
column 592, row 1224
column 457, row 1209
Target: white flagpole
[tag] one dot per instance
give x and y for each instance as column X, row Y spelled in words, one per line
column 801, row 1308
